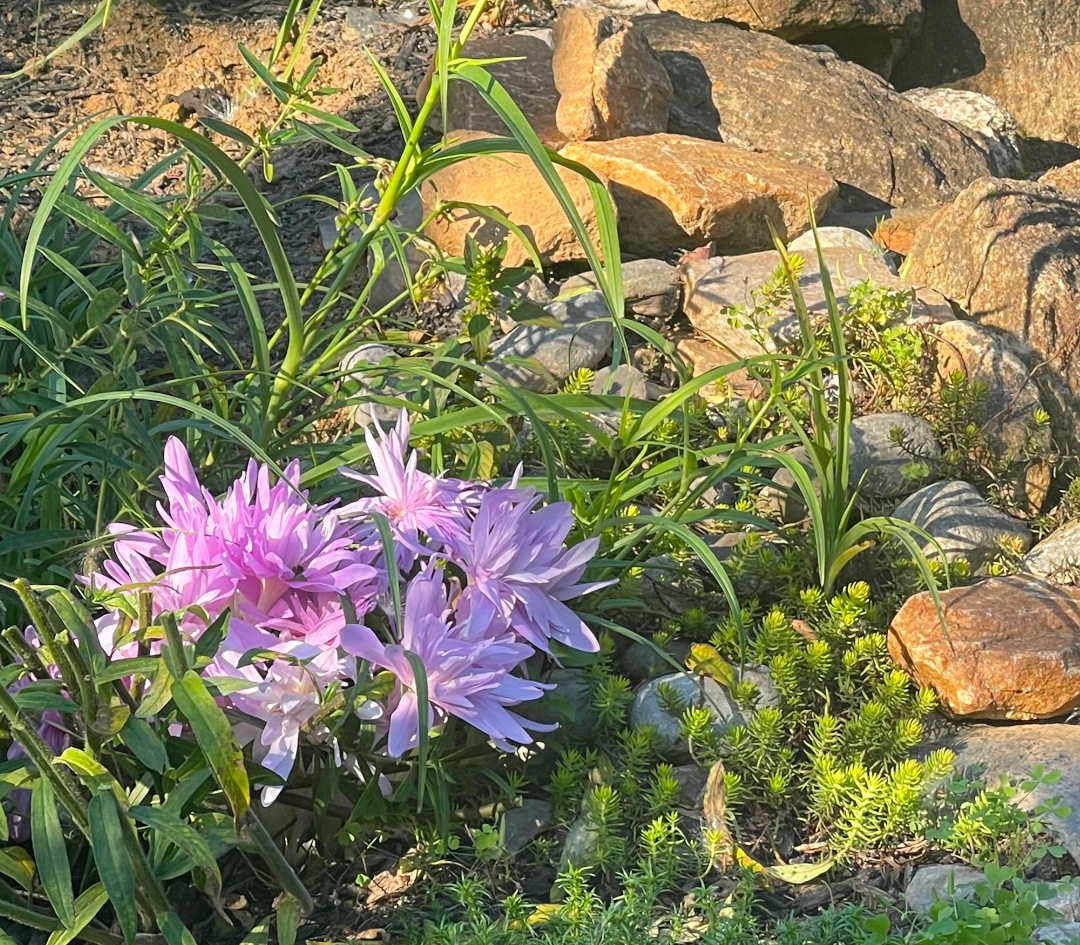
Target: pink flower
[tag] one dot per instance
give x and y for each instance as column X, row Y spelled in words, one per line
column 467, row 678
column 519, row 572
column 412, row 501
column 284, row 696
column 274, row 541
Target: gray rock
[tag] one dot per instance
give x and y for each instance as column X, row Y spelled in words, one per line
column 358, row 365
column 963, row 522
column 1057, row 557
column 620, row 381
column 838, row 237
column 533, row 289
column 540, row 357
column 1066, row 901
column 1067, row 934
column 579, row 848
column 886, row 470
column 1013, row 751
column 716, row 288
column 647, row 709
column 522, row 825
column 651, row 287
column 692, row 780
column 980, row 114
column 768, row 696
column 641, row 661
column 931, row 883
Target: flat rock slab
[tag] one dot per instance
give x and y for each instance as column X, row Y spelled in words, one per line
column 715, row 286
column 1012, row 649
column 1057, row 557
column 675, row 192
column 810, row 107
column 1013, row 751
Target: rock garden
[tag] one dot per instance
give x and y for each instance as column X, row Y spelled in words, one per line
column 478, row 474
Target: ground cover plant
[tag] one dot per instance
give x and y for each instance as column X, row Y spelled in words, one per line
column 254, row 652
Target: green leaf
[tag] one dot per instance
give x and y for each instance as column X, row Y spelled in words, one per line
column 276, row 88
column 160, row 692
column 17, row 864
column 185, row 838
column 50, row 851
column 214, row 734
column 102, row 306
column 112, row 861
column 87, row 906
column 288, row 919
column 143, row 742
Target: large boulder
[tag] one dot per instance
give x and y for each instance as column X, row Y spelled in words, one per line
column 981, row 115
column 1066, row 179
column 808, row 106
column 1023, row 53
column 526, row 74
column 1009, row 649
column 512, row 184
column 610, row 82
column 675, row 192
column 1008, row 254
column 870, row 32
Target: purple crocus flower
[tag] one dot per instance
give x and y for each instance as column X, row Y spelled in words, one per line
column 413, row 501
column 274, row 541
column 466, row 677
column 519, row 573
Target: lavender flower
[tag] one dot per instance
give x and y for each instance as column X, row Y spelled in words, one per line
column 467, row 678
column 519, row 573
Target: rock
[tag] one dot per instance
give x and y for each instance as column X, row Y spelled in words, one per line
column 651, row 287
column 610, row 82
column 873, row 33
column 527, row 77
column 1066, row 934
column 641, row 661
column 837, row 237
column 552, row 354
column 674, row 192
column 759, row 92
column 581, row 845
column 522, row 825
column 1066, row 179
column 883, row 469
column 715, row 286
column 931, row 883
column 1008, row 254
column 512, row 184
column 533, row 289
column 702, row 355
column 1014, row 751
column 964, row 524
column 647, row 709
column 1057, row 557
column 896, row 232
column 988, row 359
column 692, row 780
column 618, row 382
column 1027, row 58
column 980, row 114
column 1011, row 651
column 1065, row 902
column 361, row 367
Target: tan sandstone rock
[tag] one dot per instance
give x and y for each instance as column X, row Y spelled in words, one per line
column 676, row 192
column 527, row 77
column 1012, row 650
column 510, row 183
column 610, row 82
column 1066, row 179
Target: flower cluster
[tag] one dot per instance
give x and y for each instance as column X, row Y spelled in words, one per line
column 485, row 574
